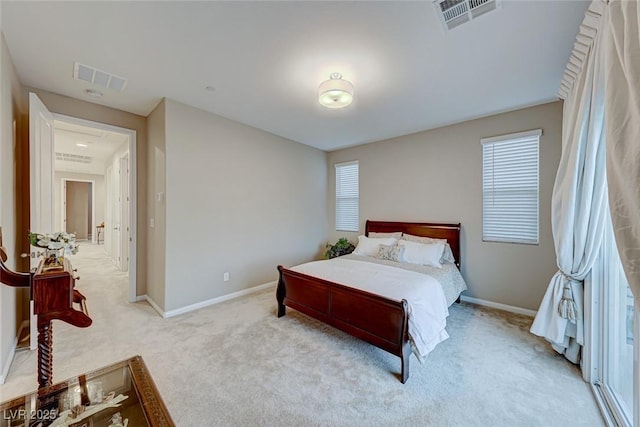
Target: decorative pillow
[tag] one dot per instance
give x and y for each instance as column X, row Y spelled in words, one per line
column 447, row 254
column 391, row 252
column 421, row 253
column 368, row 246
column 395, row 235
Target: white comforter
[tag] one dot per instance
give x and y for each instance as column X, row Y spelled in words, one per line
column 427, row 304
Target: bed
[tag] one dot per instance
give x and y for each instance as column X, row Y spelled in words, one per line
column 381, row 320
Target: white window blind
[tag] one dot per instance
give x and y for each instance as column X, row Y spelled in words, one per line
column 347, row 197
column 510, row 190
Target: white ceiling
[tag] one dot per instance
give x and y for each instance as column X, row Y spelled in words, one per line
column 101, row 145
column 267, row 58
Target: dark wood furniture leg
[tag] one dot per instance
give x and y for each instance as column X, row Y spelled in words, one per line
column 281, row 294
column 45, row 354
column 406, row 355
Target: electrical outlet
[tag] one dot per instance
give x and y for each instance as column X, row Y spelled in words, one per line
column 225, row 276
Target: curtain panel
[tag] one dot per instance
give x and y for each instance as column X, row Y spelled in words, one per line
column 579, row 199
column 623, row 133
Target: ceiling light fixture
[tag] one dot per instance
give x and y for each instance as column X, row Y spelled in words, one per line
column 335, row 92
column 94, row 93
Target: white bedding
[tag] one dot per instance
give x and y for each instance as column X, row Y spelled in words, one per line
column 428, row 309
column 448, row 276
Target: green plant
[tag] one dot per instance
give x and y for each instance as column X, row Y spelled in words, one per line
column 341, row 247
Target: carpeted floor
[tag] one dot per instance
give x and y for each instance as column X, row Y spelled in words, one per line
column 236, row 363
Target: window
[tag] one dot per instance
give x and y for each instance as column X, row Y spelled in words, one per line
column 612, row 307
column 347, row 197
column 510, row 165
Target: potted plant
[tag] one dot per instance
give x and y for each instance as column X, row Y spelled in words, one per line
column 341, row 247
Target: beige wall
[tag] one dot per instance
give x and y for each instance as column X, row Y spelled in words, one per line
column 98, row 189
column 156, row 208
column 11, row 109
column 238, row 200
column 436, row 175
column 85, row 110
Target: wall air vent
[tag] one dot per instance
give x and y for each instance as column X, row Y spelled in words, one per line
column 453, row 13
column 74, row 158
column 98, row 77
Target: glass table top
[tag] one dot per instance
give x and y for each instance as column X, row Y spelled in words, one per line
column 119, row 395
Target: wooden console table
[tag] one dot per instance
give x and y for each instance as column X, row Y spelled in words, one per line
column 53, row 296
column 88, row 396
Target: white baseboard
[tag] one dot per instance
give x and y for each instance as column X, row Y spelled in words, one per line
column 202, row 304
column 218, row 300
column 7, row 365
column 152, row 303
column 499, row 306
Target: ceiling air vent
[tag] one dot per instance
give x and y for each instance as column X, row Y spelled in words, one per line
column 453, row 13
column 74, row 158
column 98, row 77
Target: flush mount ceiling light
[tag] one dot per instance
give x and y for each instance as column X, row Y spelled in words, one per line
column 335, row 92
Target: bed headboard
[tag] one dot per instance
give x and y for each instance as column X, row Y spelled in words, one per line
column 451, row 232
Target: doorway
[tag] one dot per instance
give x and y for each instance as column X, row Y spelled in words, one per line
column 95, row 186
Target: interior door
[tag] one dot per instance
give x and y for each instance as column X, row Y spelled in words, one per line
column 41, row 175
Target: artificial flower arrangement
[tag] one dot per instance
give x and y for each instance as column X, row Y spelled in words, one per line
column 55, row 241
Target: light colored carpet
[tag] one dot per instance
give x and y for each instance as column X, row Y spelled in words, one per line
column 236, row 363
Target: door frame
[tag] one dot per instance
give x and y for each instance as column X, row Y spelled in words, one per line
column 133, row 193
column 125, row 219
column 63, row 207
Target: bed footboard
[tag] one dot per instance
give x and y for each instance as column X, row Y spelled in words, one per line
column 370, row 317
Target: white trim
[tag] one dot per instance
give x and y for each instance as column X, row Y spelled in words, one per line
column 206, row 303
column 218, row 300
column 604, row 409
column 499, row 306
column 636, row 362
column 133, row 193
column 511, row 136
column 153, row 304
column 7, row 366
column 352, row 162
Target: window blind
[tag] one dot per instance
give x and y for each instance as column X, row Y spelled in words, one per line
column 510, row 188
column 347, row 197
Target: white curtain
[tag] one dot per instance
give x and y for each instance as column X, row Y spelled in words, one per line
column 579, row 200
column 623, row 133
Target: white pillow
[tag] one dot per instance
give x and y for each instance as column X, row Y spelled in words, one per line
column 368, row 246
column 447, row 255
column 421, row 253
column 395, row 234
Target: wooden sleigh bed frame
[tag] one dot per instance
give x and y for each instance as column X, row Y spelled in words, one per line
column 375, row 319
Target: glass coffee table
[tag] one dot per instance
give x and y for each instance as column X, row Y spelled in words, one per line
column 120, row 395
